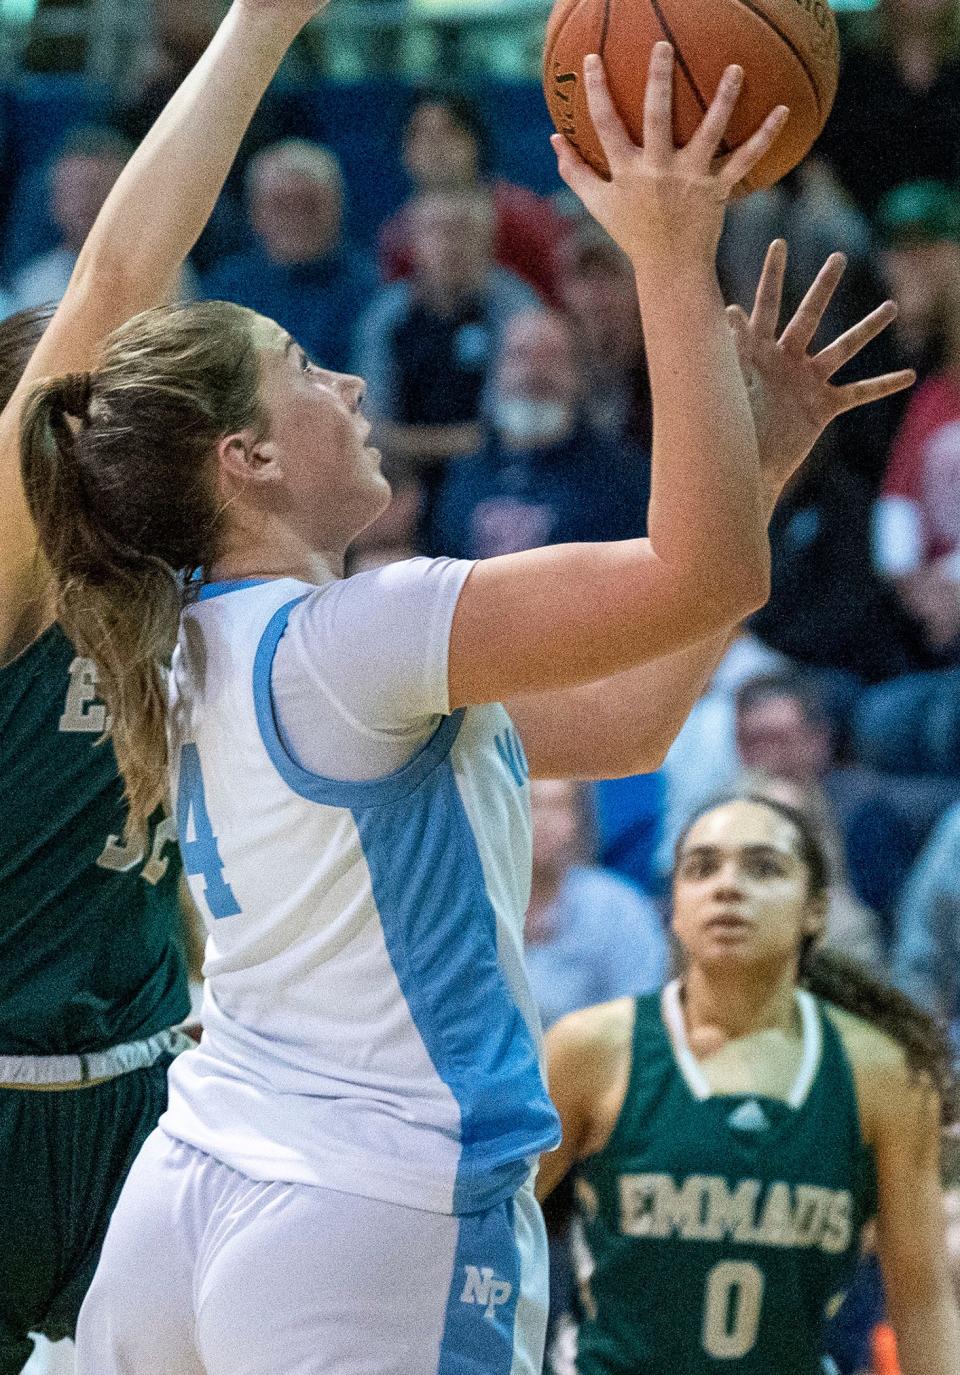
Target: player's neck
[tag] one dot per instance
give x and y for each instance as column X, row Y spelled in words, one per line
column 274, row 553
column 724, row 1006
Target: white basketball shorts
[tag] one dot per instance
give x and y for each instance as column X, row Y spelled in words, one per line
column 207, row 1272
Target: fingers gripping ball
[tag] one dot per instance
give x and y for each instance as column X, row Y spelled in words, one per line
column 789, row 50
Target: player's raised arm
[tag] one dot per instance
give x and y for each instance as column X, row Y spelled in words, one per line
column 149, row 224
column 566, row 615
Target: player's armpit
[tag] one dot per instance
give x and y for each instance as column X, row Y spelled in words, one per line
column 587, row 1056
column 621, row 726
column 566, row 1047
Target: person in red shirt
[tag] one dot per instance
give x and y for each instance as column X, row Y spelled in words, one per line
column 446, row 148
column 917, row 520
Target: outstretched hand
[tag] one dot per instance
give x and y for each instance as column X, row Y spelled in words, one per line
column 660, row 197
column 792, row 396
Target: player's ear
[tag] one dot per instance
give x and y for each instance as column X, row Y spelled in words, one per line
column 243, row 458
column 814, row 921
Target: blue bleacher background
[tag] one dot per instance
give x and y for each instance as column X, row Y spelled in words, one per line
column 361, row 121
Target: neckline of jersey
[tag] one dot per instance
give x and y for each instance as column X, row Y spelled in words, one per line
column 219, row 589
column 692, row 1072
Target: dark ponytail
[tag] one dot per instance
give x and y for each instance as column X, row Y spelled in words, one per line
column 846, row 984
column 119, row 476
column 119, row 607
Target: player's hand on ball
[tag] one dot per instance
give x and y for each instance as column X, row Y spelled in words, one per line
column 662, row 199
column 792, row 396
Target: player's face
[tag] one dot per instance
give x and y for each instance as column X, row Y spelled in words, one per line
column 741, row 891
column 332, row 484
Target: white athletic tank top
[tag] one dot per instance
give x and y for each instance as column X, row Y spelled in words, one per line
column 367, row 1022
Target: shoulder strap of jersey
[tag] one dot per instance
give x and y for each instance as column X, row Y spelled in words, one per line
column 834, row 1083
column 651, row 1062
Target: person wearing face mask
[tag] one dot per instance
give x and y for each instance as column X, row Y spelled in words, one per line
column 545, row 474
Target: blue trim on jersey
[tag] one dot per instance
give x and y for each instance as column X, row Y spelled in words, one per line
column 220, row 589
column 480, row 1325
column 440, row 930
column 332, row 792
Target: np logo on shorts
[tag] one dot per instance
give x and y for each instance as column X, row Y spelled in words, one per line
column 485, row 1289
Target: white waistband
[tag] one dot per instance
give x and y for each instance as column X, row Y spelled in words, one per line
column 100, row 1064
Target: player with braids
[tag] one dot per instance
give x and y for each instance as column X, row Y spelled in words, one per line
column 92, row 971
column 842, row 982
column 732, row 1135
column 351, row 797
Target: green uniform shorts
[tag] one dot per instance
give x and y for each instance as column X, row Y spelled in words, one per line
column 64, row 1155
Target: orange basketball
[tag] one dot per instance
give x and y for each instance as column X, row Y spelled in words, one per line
column 789, row 51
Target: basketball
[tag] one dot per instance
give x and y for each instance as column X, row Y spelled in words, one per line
column 789, row 51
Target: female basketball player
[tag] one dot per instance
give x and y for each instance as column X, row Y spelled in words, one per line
column 341, row 1180
column 732, row 1135
column 91, row 969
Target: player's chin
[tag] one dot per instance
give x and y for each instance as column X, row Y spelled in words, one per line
column 727, row 948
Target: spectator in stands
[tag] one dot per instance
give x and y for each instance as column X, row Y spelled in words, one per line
column 179, row 32
column 589, row 935
column 299, row 271
column 782, row 730
column 917, row 528
column 425, row 346
column 446, row 149
column 898, row 104
column 829, row 608
column 598, row 292
column 81, row 178
column 851, row 926
column 927, row 956
column 918, row 236
column 775, row 723
column 543, row 474
column 911, row 725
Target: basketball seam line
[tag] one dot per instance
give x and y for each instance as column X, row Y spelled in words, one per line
column 785, row 38
column 664, row 23
column 604, row 27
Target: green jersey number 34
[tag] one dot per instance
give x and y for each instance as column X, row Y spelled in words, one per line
column 84, row 712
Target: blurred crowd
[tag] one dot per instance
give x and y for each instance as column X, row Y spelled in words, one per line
column 499, row 334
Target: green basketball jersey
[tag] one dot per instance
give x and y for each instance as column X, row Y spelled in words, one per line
column 721, row 1231
column 90, row 937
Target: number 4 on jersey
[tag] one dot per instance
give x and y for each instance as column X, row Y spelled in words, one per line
column 198, row 844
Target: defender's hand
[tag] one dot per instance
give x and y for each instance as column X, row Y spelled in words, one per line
column 791, row 394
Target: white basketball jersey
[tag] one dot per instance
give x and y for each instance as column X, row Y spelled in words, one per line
column 367, row 1023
